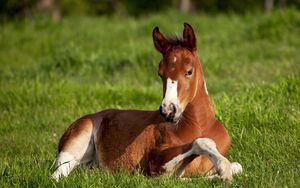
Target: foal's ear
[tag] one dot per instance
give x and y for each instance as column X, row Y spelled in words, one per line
column 189, row 39
column 160, row 42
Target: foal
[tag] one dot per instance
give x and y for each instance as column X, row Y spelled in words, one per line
column 183, row 138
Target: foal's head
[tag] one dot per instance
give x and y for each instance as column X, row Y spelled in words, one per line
column 179, row 70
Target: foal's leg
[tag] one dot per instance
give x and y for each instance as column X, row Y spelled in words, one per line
column 75, row 147
column 235, row 169
column 200, row 146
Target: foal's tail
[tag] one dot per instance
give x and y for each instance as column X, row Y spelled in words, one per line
column 75, row 147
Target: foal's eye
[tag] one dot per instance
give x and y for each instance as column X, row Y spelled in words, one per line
column 189, row 73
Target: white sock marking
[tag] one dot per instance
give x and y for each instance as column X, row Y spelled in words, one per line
column 170, row 165
column 236, row 168
column 65, row 163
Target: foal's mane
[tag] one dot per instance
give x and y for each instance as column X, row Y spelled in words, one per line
column 175, row 40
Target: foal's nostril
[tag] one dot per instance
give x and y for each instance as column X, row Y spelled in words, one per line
column 168, row 111
column 172, row 109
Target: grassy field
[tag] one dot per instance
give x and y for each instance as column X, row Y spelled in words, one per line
column 53, row 73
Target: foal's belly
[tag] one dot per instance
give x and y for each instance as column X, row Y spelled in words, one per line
column 124, row 139
column 121, row 153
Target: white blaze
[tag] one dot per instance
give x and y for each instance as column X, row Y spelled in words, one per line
column 171, row 92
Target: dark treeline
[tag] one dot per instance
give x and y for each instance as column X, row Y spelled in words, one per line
column 59, row 8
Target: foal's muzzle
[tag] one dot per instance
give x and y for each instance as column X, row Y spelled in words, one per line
column 168, row 112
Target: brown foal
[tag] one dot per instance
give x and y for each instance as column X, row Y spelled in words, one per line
column 183, row 138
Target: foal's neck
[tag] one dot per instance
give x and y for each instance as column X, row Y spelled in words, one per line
column 199, row 111
column 199, row 114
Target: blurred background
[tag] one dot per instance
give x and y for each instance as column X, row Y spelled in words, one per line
column 57, row 9
column 108, row 42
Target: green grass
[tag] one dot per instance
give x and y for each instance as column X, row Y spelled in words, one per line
column 53, row 73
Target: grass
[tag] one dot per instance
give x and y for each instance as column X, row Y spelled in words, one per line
column 53, row 73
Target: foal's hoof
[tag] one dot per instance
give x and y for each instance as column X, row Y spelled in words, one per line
column 224, row 170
